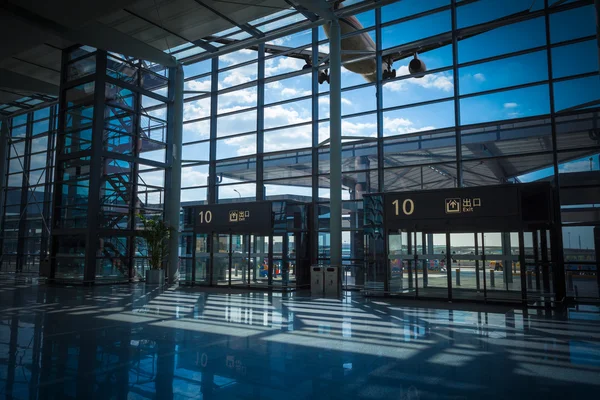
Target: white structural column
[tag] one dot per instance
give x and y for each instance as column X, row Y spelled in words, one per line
column 174, row 197
column 335, row 159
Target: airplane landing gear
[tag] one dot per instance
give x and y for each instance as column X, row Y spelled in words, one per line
column 387, row 74
column 323, row 77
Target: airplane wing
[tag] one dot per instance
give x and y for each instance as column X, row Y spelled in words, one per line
column 303, row 54
column 444, row 39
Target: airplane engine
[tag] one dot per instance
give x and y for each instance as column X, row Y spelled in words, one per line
column 416, row 67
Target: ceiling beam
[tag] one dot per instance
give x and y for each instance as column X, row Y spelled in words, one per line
column 245, row 27
column 198, row 42
column 93, row 34
column 14, row 81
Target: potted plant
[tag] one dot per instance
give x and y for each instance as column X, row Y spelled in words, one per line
column 156, row 234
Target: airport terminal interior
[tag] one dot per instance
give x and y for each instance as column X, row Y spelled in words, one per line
column 311, row 199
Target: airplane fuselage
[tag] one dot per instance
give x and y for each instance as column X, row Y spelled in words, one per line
column 357, row 43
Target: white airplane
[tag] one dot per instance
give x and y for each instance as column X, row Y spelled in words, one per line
column 358, row 47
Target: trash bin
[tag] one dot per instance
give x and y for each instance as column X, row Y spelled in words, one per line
column 316, row 280
column 332, row 282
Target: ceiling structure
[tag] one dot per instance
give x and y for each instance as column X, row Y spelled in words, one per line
column 33, row 34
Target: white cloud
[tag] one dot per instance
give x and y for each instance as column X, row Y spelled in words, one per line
column 479, row 77
column 398, row 126
column 510, row 105
column 359, row 129
column 346, row 101
column 291, row 92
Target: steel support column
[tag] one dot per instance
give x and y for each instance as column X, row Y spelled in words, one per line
column 379, row 95
column 314, row 214
column 597, row 6
column 459, row 174
column 557, row 254
column 335, row 159
column 4, row 135
column 212, row 167
column 92, row 236
column 260, row 124
column 173, row 198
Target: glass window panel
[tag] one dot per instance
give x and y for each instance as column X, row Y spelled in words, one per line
column 39, row 144
column 288, row 138
column 506, row 39
column 19, row 131
column 297, row 189
column 574, row 59
column 153, row 128
column 196, row 152
column 80, row 117
column 285, row 89
column 416, row 148
column 15, row 180
column 415, row 90
column 572, row 24
column 17, row 148
column 237, row 171
column 236, row 146
column 576, row 92
column 152, row 178
column 237, row 57
column 195, row 131
column 236, row 193
column 196, row 109
column 81, row 68
column 77, row 141
column 194, row 176
column 323, row 131
column 287, row 165
column 502, row 73
column 283, row 64
column 118, row 96
column 494, row 171
column 153, row 151
column 198, row 68
column 16, row 165
column 38, row 161
column 295, row 40
column 152, row 81
column 359, row 100
column 195, row 195
column 40, row 127
column 197, row 85
column 238, row 76
column 121, row 70
column 237, row 123
column 19, row 120
column 362, row 126
column 574, row 162
column 416, row 119
column 573, row 131
column 511, row 104
column 415, row 29
column 288, row 114
column 41, row 114
column 237, row 100
column 436, row 176
column 507, row 138
column 80, row 52
column 407, row 8
column 488, row 10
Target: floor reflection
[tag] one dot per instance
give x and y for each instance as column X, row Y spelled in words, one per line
column 139, row 342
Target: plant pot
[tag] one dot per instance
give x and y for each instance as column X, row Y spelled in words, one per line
column 155, row 277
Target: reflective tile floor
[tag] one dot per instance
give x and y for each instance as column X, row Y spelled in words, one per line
column 138, row 342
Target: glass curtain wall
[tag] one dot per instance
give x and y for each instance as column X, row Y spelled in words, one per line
column 111, row 161
column 27, row 191
column 509, row 96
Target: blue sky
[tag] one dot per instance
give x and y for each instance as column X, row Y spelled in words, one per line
column 567, row 60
